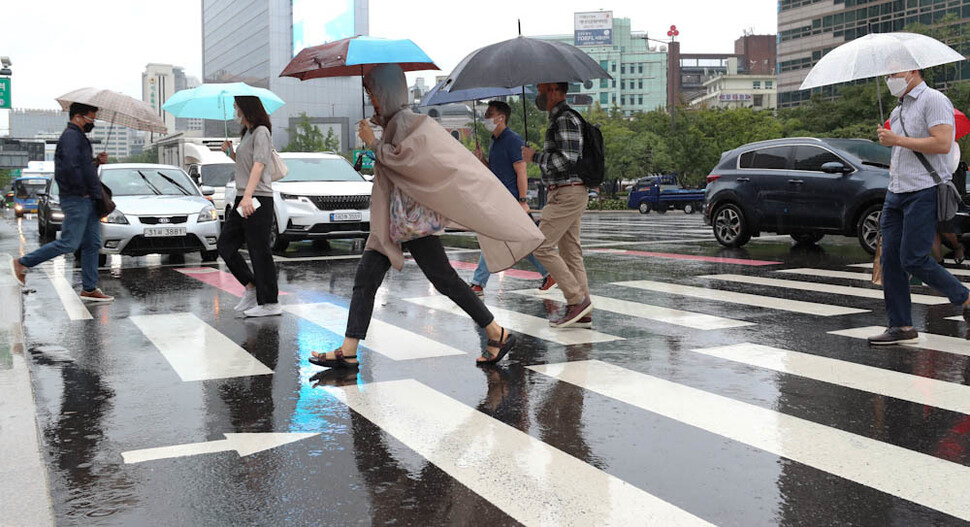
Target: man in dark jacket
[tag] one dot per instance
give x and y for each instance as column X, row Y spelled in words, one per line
column 75, row 170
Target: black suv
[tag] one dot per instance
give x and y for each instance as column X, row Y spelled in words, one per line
column 804, row 187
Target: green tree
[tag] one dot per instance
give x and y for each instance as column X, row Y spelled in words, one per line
column 331, row 143
column 305, row 137
column 149, row 155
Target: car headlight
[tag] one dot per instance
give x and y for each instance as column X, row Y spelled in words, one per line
column 115, row 217
column 290, row 197
column 208, row 214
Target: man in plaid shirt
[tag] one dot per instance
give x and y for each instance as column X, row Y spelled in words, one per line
column 561, row 253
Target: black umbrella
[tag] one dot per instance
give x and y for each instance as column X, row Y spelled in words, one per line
column 521, row 61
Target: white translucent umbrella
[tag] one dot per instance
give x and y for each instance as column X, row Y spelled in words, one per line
column 116, row 108
column 876, row 55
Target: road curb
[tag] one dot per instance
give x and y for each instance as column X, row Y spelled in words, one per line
column 24, row 485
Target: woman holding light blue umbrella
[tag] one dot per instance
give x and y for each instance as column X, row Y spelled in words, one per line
column 214, row 101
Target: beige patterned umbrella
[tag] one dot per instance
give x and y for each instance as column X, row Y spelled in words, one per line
column 116, row 108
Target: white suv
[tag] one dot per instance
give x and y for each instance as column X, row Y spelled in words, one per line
column 322, row 197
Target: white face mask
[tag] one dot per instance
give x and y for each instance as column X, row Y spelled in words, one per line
column 490, row 124
column 897, row 85
column 238, row 118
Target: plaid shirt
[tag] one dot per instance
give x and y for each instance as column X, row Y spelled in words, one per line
column 564, row 145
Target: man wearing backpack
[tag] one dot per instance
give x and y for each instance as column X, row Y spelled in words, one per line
column 561, row 253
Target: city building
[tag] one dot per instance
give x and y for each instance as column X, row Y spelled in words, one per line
column 809, row 29
column 639, row 71
column 253, row 45
column 49, row 124
column 689, row 72
column 734, row 90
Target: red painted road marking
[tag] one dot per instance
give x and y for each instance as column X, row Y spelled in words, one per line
column 695, row 257
column 216, row 278
column 511, row 273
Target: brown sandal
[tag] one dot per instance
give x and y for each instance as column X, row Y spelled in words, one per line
column 503, row 349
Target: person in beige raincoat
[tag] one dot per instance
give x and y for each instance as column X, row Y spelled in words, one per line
column 419, row 158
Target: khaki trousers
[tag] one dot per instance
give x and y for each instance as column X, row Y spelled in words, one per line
column 560, row 225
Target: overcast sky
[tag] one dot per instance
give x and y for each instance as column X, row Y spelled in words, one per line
column 60, row 45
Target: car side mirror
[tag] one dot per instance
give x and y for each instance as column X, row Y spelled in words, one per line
column 834, row 167
column 207, row 190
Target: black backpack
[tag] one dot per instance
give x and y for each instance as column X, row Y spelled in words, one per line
column 591, row 166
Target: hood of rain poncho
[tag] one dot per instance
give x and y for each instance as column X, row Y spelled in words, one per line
column 389, row 87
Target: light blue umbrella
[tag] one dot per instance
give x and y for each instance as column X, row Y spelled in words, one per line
column 215, row 100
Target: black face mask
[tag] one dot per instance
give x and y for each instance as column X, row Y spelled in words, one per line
column 87, row 127
column 541, row 102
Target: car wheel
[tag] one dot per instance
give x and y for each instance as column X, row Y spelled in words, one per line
column 868, row 228
column 210, row 256
column 689, row 208
column 644, row 207
column 278, row 242
column 807, row 238
column 730, row 227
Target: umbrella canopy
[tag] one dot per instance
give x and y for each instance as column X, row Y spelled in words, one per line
column 879, row 54
column 214, row 101
column 521, row 61
column 437, row 96
column 353, row 56
column 117, row 108
column 962, row 124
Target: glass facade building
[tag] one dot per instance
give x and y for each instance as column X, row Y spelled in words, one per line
column 254, row 44
column 809, row 29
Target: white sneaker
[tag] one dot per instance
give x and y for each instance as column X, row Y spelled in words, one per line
column 265, row 310
column 248, row 301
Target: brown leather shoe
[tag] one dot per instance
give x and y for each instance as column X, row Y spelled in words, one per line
column 547, row 283
column 19, row 271
column 96, row 296
column 573, row 313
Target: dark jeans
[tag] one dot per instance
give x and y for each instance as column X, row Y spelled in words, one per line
column 431, row 258
column 908, row 227
column 81, row 229
column 255, row 231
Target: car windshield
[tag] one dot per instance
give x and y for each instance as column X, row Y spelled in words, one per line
column 217, row 175
column 148, row 181
column 28, row 188
column 869, row 152
column 320, row 169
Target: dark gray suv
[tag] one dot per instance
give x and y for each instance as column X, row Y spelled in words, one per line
column 803, row 186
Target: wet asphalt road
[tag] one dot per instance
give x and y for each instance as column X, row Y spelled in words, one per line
column 632, row 421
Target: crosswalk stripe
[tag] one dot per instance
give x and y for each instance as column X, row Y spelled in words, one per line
column 527, row 324
column 957, row 346
column 917, row 477
column 826, row 273
column 821, row 288
column 635, row 309
column 383, row 338
column 196, row 350
column 531, row 481
column 691, row 257
column 76, row 310
column 921, row 390
column 768, row 302
column 954, row 272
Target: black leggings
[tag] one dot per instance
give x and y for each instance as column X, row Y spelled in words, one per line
column 254, row 231
column 431, row 258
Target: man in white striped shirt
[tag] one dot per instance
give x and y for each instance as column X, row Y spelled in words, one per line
column 922, row 122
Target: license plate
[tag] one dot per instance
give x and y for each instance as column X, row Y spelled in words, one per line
column 345, row 216
column 158, row 232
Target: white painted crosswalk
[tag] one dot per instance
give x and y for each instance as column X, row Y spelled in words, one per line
column 955, row 345
column 527, row 324
column 383, row 338
column 666, row 315
column 921, row 390
column 196, row 350
column 951, row 270
column 75, row 308
column 917, row 477
column 767, row 302
column 821, row 288
column 827, row 273
column 526, row 478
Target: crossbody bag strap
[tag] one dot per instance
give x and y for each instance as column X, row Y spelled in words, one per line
column 919, row 155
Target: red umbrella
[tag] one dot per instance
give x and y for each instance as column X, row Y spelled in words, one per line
column 961, row 120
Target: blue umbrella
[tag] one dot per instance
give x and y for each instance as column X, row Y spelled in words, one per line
column 214, row 101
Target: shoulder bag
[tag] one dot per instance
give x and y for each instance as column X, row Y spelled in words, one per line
column 105, row 205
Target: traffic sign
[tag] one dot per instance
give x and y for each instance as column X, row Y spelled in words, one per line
column 368, row 161
column 5, row 93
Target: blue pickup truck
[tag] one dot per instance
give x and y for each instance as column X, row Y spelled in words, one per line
column 661, row 193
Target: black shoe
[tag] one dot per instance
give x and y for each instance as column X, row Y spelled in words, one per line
column 895, row 336
column 966, row 313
